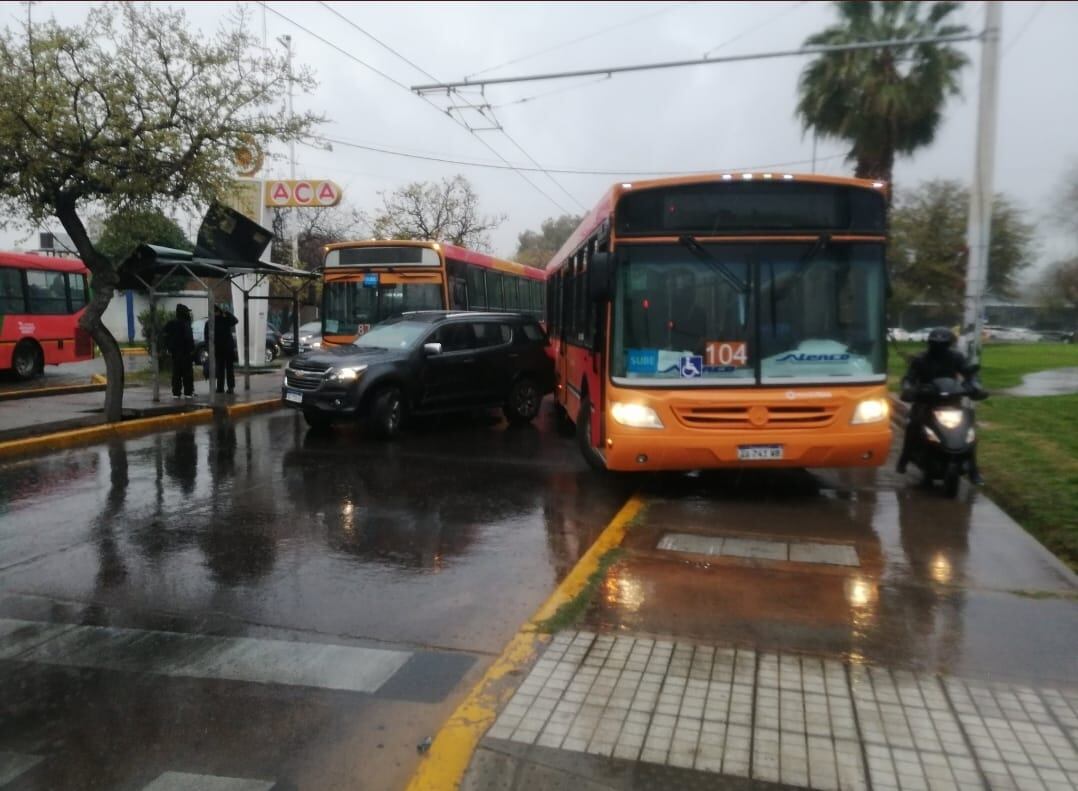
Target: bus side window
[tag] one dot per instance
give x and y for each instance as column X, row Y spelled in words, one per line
column 12, row 299
column 76, row 290
column 512, row 296
column 458, row 293
column 477, row 288
column 48, row 292
column 494, row 291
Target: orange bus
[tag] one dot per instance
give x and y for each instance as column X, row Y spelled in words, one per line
column 727, row 320
column 42, row 299
column 368, row 282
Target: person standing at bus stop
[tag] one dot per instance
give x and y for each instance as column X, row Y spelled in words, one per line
column 180, row 343
column 224, row 347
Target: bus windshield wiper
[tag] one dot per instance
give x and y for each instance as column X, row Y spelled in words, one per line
column 704, row 254
column 822, row 242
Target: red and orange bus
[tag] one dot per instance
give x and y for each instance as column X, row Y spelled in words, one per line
column 368, row 282
column 728, row 320
column 41, row 301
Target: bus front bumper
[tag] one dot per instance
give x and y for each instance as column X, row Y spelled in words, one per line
column 647, row 450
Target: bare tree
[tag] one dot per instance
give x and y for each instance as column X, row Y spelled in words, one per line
column 445, row 211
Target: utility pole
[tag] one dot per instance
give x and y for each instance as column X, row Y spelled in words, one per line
column 979, row 228
column 287, row 41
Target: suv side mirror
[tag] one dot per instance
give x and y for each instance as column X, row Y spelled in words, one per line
column 431, row 349
column 599, row 273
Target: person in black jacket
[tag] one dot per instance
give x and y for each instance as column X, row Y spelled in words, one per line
column 224, row 347
column 180, row 344
column 940, row 361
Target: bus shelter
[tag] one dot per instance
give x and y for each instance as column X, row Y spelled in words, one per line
column 150, row 266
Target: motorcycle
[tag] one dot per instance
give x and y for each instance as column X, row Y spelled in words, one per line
column 948, row 435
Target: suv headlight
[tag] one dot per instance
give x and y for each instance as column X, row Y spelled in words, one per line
column 349, row 374
column 635, row 415
column 871, row 410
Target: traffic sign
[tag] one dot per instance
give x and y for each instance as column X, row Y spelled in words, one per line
column 302, row 192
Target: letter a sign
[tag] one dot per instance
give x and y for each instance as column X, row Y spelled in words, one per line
column 302, row 192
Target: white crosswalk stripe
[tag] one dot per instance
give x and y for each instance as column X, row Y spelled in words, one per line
column 184, row 781
column 339, row 667
column 13, row 765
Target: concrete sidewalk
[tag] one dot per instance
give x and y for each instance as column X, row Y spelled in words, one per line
column 22, row 418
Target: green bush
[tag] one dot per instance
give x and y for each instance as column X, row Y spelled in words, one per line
column 155, row 327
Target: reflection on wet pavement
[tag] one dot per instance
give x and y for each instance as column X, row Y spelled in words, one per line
column 1058, row 381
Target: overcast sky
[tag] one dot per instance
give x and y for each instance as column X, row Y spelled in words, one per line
column 726, row 116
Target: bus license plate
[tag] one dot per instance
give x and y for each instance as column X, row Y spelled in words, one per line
column 759, row 452
column 293, row 396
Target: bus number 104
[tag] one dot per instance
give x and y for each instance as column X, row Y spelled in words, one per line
column 733, row 353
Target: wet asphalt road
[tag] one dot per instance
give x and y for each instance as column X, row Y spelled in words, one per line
column 258, row 601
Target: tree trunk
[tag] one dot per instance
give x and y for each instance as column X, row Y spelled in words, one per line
column 103, row 284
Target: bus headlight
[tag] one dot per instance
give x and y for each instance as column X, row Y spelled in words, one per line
column 871, row 410
column 346, row 374
column 635, row 415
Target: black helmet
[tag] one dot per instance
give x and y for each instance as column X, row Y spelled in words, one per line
column 940, row 340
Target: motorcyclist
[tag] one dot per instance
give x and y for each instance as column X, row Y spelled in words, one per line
column 940, row 361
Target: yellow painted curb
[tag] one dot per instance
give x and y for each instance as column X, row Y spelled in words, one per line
column 82, row 436
column 452, row 748
column 134, row 351
column 99, row 379
column 246, row 408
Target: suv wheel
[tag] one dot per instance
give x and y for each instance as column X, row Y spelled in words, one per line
column 522, row 404
column 387, row 413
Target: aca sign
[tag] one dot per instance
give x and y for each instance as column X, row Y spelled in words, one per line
column 302, row 192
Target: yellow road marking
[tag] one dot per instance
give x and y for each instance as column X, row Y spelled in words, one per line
column 452, row 748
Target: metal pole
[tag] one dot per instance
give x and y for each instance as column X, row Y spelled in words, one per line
column 292, row 153
column 246, row 343
column 979, row 228
column 814, row 139
column 295, row 322
column 154, row 330
column 211, row 326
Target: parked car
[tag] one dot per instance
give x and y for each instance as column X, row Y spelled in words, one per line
column 1058, row 336
column 425, row 362
column 1012, row 334
column 920, row 336
column 198, row 330
column 897, row 334
column 310, row 337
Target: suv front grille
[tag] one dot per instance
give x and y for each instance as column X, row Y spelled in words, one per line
column 302, row 379
column 306, row 365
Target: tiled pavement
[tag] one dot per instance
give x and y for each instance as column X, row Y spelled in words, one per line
column 791, row 719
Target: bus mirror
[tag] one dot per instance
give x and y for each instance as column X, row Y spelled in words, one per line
column 600, row 269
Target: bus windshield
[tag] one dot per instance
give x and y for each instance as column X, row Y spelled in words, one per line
column 350, row 304
column 736, row 314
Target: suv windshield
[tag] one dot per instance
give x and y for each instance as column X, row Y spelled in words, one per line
column 802, row 314
column 393, row 335
column 350, row 304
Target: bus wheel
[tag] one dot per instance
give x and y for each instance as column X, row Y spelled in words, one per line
column 27, row 361
column 522, row 404
column 583, row 436
column 387, row 413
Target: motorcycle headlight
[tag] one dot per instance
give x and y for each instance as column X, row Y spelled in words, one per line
column 871, row 410
column 635, row 415
column 930, row 435
column 349, row 374
column 948, row 418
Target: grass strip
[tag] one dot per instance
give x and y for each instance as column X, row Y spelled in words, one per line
column 569, row 613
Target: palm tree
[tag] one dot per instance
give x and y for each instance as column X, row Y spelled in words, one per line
column 883, row 101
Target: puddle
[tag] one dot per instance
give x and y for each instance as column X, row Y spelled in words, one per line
column 1058, row 381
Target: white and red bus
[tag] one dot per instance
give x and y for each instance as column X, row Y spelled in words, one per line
column 728, row 320
column 41, row 301
column 368, row 282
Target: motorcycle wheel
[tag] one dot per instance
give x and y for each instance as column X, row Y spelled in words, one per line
column 951, row 478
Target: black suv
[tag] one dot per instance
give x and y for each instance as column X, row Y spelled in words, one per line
column 425, row 362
